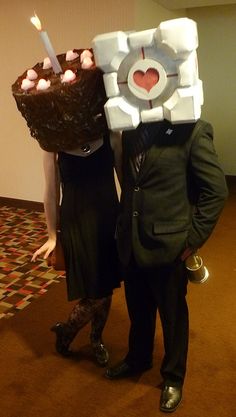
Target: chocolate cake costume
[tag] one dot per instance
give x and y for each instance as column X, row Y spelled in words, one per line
column 67, row 113
column 64, row 111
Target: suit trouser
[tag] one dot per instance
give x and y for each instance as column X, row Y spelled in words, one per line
column 161, row 289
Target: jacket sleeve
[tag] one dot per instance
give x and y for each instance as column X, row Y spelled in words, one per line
column 209, row 180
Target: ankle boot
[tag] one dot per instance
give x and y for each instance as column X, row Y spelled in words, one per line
column 100, row 352
column 63, row 338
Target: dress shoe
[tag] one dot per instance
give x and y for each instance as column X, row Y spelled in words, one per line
column 100, row 352
column 170, row 398
column 62, row 342
column 121, row 370
column 124, row 370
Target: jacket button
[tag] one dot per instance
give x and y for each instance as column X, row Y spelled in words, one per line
column 136, row 188
column 135, row 213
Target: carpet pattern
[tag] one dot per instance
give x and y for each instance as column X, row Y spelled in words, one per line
column 36, row 381
column 21, row 281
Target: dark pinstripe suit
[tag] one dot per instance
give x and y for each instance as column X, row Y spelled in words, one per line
column 171, row 204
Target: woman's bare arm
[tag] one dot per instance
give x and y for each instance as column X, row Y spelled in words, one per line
column 51, row 202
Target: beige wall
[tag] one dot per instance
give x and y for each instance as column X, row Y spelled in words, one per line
column 217, row 63
column 74, row 23
column 149, row 14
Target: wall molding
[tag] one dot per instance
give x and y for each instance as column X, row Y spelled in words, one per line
column 17, row 203
column 37, row 206
column 231, row 183
column 231, row 180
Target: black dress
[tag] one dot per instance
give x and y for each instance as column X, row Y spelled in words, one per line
column 88, row 216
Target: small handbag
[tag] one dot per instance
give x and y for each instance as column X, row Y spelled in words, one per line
column 56, row 258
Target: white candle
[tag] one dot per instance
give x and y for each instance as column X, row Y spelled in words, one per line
column 48, row 46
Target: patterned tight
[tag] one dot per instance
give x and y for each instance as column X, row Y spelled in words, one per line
column 86, row 310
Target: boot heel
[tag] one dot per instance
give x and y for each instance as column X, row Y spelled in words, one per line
column 100, row 352
column 62, row 342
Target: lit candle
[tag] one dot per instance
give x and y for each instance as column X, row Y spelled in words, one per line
column 44, row 36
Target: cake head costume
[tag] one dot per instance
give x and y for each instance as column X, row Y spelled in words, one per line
column 63, row 110
column 151, row 75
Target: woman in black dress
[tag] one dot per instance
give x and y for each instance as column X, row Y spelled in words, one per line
column 88, row 213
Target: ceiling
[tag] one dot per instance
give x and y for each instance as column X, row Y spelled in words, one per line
column 186, row 4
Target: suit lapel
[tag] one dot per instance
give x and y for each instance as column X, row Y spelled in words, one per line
column 163, row 134
column 156, row 134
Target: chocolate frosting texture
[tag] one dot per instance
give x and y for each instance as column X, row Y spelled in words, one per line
column 66, row 115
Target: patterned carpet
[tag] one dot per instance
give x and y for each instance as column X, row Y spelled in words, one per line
column 21, row 281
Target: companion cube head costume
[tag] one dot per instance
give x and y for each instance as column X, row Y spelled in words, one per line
column 63, row 110
column 151, row 75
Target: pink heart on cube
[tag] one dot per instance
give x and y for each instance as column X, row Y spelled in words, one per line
column 146, row 80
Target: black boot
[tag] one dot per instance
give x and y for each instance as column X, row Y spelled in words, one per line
column 100, row 352
column 63, row 338
column 98, row 322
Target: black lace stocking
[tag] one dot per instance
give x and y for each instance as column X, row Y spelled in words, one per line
column 99, row 320
column 86, row 310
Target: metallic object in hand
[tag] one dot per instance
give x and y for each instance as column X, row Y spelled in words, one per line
column 197, row 272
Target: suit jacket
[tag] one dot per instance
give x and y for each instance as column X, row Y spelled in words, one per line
column 175, row 200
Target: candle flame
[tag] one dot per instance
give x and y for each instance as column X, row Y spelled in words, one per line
column 36, row 22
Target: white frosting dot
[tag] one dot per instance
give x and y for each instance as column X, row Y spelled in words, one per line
column 85, row 54
column 43, row 84
column 32, row 74
column 71, row 55
column 68, row 76
column 27, row 84
column 47, row 63
column 86, row 63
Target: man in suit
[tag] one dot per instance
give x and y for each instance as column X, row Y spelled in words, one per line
column 173, row 191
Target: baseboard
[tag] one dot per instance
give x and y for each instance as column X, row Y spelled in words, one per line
column 37, row 206
column 17, row 203
column 231, row 181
